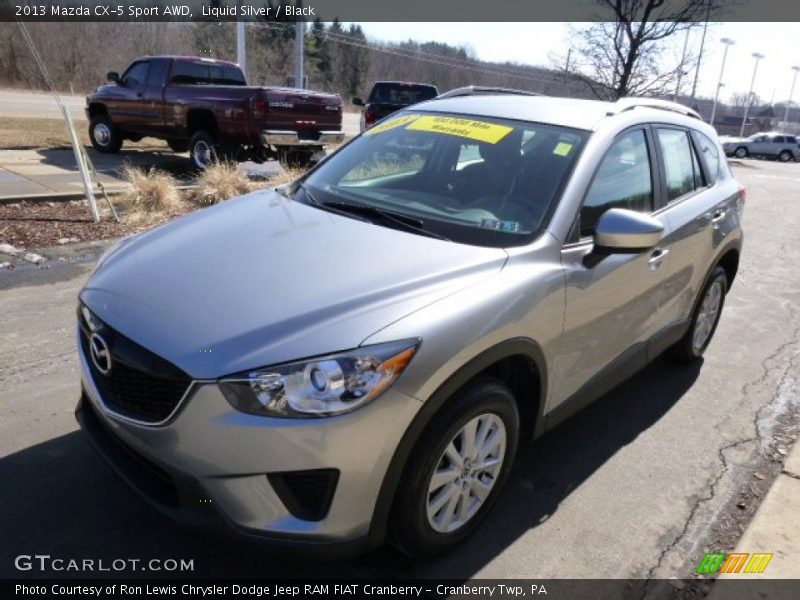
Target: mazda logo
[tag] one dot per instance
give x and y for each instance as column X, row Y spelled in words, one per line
column 101, row 357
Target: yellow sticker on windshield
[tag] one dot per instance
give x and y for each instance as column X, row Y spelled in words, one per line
column 562, row 149
column 474, row 130
column 391, row 124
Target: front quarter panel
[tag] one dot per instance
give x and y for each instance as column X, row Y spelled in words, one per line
column 524, row 300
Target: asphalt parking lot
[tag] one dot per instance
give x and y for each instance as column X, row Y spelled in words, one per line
column 638, row 485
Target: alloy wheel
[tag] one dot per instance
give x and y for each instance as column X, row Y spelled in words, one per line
column 466, row 473
column 707, row 317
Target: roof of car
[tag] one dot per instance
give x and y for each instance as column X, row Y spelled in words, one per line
column 566, row 112
column 203, row 58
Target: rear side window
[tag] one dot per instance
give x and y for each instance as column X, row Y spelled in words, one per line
column 157, row 70
column 680, row 163
column 190, row 73
column 709, row 154
column 226, row 75
column 136, row 75
column 623, row 180
column 791, row 139
column 779, row 139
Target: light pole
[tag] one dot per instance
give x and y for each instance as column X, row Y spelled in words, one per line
column 758, row 57
column 681, row 72
column 728, row 42
column 791, row 94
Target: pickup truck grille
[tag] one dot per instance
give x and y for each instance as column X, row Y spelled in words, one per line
column 139, row 385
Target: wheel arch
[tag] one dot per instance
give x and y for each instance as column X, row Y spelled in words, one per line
column 200, row 119
column 519, row 362
column 97, row 108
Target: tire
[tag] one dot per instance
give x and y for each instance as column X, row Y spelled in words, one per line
column 741, row 152
column 295, row 159
column 694, row 343
column 179, row 146
column 420, row 525
column 785, row 156
column 203, row 150
column 104, row 135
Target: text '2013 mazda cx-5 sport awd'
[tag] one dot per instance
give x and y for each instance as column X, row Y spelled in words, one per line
column 357, row 356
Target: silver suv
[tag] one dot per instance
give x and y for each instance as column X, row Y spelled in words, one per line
column 356, row 356
column 782, row 146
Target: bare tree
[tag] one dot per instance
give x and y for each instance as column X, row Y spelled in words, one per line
column 626, row 55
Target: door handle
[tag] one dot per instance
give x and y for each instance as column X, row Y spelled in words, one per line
column 718, row 216
column 658, row 255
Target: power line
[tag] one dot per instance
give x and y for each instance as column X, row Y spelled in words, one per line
column 415, row 55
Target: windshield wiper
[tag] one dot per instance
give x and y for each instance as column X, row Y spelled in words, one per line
column 406, row 222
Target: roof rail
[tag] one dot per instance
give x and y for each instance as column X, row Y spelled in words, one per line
column 476, row 90
column 630, row 103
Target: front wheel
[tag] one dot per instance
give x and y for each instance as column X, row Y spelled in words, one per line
column 704, row 319
column 785, row 156
column 203, row 150
column 457, row 469
column 103, row 134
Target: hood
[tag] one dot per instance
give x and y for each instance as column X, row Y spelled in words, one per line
column 262, row 279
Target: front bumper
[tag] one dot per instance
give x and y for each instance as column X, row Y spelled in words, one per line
column 213, row 466
column 292, row 138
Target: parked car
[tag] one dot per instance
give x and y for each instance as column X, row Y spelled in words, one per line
column 357, row 355
column 388, row 97
column 782, row 146
column 206, row 107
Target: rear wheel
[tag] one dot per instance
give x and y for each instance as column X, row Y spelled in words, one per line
column 704, row 319
column 785, row 156
column 741, row 152
column 103, row 134
column 203, row 150
column 457, row 469
column 295, row 159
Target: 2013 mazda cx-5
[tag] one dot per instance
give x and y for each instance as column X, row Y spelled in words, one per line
column 357, row 355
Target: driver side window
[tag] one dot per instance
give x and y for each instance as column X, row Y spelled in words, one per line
column 623, row 180
column 136, row 75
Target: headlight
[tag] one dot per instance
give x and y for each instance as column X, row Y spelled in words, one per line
column 320, row 387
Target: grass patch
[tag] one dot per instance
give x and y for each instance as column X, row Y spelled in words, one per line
column 220, row 182
column 35, row 134
column 153, row 196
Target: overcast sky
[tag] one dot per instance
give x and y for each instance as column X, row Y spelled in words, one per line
column 533, row 43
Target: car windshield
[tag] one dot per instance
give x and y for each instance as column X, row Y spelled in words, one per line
column 474, row 180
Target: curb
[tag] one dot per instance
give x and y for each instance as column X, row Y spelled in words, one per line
column 775, row 529
column 67, row 196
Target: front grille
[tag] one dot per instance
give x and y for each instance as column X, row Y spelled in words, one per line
column 140, row 385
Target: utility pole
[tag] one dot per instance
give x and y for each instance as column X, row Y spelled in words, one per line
column 241, row 47
column 566, row 67
column 680, row 67
column 758, row 57
column 299, row 34
column 700, row 55
column 791, row 94
column 728, row 43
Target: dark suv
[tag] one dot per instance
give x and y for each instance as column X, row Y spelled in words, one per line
column 387, row 97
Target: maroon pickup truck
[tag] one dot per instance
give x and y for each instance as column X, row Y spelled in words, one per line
column 206, row 107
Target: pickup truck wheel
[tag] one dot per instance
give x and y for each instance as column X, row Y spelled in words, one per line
column 295, row 159
column 203, row 150
column 785, row 156
column 457, row 469
column 104, row 136
column 741, row 152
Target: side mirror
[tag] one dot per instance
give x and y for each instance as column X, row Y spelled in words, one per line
column 622, row 230
column 358, row 101
column 113, row 77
